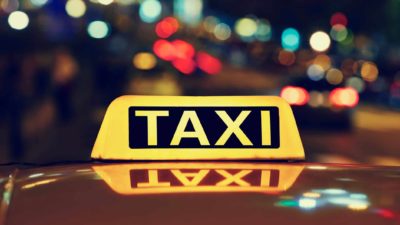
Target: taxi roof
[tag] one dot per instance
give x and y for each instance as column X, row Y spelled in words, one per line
column 320, row 194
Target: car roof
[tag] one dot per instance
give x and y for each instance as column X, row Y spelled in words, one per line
column 79, row 194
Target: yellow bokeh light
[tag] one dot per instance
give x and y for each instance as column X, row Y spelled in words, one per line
column 246, row 27
column 320, row 41
column 334, row 76
column 144, row 61
column 75, row 8
column 369, row 71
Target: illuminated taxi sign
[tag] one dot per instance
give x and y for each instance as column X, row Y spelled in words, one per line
column 162, row 178
column 179, row 128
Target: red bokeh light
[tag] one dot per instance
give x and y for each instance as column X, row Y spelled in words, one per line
column 184, row 65
column 295, row 95
column 183, row 49
column 386, row 213
column 338, row 18
column 166, row 27
column 344, row 97
column 208, row 63
column 164, row 49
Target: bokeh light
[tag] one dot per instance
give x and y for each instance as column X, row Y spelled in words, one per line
column 334, row 76
column 18, row 20
column 323, row 60
column 315, row 72
column 320, row 41
column 105, row 2
column 150, row 11
column 75, row 8
column 338, row 32
column 98, row 29
column 209, row 23
column 264, row 30
column 286, row 58
column 166, row 27
column 144, row 61
column 39, row 3
column 222, row 31
column 246, row 27
column 164, row 50
column 290, row 39
column 338, row 18
column 357, row 83
column 344, row 97
column 316, row 100
column 183, row 49
column 208, row 63
column 184, row 65
column 369, row 71
column 295, row 95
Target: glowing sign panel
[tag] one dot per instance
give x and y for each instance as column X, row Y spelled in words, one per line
column 182, row 127
column 200, row 128
column 195, row 177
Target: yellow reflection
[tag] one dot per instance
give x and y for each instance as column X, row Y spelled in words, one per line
column 38, row 183
column 160, row 178
column 312, row 195
column 358, row 206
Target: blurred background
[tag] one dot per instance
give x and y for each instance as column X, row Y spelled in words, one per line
column 336, row 62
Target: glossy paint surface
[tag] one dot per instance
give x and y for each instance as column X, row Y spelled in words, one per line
column 201, row 193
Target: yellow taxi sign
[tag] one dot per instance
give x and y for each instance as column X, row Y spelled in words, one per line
column 198, row 128
column 164, row 178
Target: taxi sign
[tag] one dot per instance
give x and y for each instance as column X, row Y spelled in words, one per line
column 164, row 178
column 198, row 128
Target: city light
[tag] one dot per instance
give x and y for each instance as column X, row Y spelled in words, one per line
column 222, row 31
column 208, row 63
column 167, row 27
column 286, row 58
column 264, row 30
column 290, row 39
column 183, row 49
column 189, row 11
column 184, row 65
column 369, row 71
column 150, row 11
column 295, row 95
column 245, row 27
column 338, row 32
column 164, row 50
column 75, row 8
column 343, row 97
column 18, row 20
column 334, row 76
column 315, row 72
column 320, row 41
column 357, row 83
column 105, row 2
column 39, row 3
column 338, row 18
column 144, row 61
column 98, row 29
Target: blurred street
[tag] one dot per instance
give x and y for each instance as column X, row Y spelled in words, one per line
column 374, row 140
